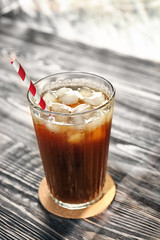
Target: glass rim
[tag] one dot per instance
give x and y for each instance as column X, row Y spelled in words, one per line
column 105, row 103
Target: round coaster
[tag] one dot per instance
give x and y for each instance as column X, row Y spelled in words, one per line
column 96, row 208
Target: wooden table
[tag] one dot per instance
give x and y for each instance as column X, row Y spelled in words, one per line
column 134, row 158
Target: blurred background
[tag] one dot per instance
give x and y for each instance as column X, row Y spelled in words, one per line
column 129, row 27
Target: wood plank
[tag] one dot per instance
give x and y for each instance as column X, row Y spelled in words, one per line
column 134, row 159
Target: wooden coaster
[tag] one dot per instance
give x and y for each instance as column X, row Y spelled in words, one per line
column 49, row 204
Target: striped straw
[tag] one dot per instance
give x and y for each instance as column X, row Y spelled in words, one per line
column 19, row 69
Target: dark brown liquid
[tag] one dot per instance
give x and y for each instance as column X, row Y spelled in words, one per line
column 75, row 170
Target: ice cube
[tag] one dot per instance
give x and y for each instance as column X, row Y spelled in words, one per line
column 49, row 98
column 60, row 108
column 97, row 134
column 82, row 108
column 75, row 138
column 70, row 98
column 52, row 127
column 96, row 99
column 97, row 119
column 85, row 92
column 60, row 92
column 78, row 120
column 51, row 119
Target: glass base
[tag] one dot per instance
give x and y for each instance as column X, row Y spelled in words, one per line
column 47, row 202
column 76, row 206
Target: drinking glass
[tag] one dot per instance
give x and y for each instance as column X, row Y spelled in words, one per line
column 74, row 146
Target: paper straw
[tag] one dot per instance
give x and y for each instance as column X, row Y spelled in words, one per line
column 19, row 69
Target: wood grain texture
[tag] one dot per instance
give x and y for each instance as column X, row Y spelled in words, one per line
column 134, row 159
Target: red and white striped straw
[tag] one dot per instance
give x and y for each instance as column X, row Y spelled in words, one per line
column 19, row 69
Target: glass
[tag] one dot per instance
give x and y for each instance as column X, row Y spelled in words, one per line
column 74, row 146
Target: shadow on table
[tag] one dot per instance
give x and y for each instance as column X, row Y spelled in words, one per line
column 58, row 227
